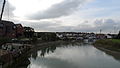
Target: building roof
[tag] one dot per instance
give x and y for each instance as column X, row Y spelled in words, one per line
column 18, row 24
column 6, row 22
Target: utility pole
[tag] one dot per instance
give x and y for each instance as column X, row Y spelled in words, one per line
column 2, row 10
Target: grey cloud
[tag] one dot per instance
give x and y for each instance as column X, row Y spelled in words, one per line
column 47, row 26
column 56, row 27
column 61, row 9
column 107, row 26
column 42, row 25
column 53, row 27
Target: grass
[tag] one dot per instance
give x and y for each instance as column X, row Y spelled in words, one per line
column 115, row 40
column 111, row 44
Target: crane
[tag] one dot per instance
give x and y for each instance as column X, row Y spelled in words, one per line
column 2, row 9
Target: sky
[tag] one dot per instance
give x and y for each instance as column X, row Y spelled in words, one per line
column 65, row 15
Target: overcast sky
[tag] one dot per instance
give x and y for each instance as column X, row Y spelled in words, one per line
column 65, row 15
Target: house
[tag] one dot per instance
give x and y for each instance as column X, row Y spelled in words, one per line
column 19, row 30
column 7, row 29
column 108, row 36
column 100, row 36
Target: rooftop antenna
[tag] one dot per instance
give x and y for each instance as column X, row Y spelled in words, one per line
column 2, row 9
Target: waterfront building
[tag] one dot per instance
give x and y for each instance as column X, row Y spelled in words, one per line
column 19, row 30
column 7, row 29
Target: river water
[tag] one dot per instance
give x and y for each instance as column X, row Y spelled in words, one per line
column 71, row 55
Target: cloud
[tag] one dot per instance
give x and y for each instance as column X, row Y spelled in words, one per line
column 42, row 25
column 107, row 26
column 64, row 8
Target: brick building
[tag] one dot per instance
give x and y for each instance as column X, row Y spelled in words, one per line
column 19, row 30
column 7, row 29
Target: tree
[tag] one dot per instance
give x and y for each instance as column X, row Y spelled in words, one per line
column 28, row 32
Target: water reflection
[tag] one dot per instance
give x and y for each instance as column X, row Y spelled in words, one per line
column 23, row 63
column 52, row 47
column 115, row 55
column 34, row 54
column 69, row 55
column 47, row 50
column 72, row 55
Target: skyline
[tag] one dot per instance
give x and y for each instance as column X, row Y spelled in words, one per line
column 65, row 15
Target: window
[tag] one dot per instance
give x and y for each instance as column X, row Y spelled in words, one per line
column 14, row 27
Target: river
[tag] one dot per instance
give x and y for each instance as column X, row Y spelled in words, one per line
column 70, row 55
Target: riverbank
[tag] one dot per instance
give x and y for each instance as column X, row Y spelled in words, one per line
column 109, row 44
